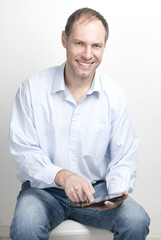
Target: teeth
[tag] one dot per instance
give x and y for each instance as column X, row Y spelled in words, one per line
column 84, row 64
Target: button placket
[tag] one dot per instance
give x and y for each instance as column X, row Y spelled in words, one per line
column 74, row 140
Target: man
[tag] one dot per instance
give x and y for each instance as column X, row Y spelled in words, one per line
column 72, row 137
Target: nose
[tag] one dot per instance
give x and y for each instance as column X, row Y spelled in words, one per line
column 87, row 53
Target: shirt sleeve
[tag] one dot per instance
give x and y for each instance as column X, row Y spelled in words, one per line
column 24, row 144
column 122, row 150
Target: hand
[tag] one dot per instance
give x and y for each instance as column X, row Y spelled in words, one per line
column 108, row 205
column 76, row 187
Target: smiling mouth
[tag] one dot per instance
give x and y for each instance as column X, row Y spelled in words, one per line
column 85, row 64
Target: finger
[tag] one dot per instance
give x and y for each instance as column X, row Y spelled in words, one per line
column 115, row 204
column 74, row 197
column 109, row 204
column 89, row 191
column 92, row 188
column 126, row 194
column 102, row 207
column 80, row 194
column 85, row 194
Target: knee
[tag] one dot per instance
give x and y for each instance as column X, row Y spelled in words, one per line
column 29, row 225
column 139, row 222
column 136, row 226
column 28, row 230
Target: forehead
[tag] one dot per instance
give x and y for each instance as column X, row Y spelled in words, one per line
column 92, row 29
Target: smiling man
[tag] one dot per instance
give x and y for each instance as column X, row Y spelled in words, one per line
column 72, row 138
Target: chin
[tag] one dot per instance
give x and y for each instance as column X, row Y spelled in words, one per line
column 86, row 76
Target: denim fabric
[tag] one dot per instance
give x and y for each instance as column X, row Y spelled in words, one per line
column 40, row 210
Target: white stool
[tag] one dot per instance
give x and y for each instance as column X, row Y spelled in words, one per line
column 71, row 230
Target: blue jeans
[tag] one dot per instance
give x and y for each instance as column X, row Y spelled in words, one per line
column 40, row 210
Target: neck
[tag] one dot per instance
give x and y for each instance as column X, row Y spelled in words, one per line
column 78, row 84
column 78, row 87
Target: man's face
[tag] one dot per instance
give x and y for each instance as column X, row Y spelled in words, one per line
column 85, row 47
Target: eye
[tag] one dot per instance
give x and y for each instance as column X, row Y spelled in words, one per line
column 78, row 43
column 97, row 45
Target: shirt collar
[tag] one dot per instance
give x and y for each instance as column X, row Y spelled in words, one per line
column 96, row 84
column 59, row 83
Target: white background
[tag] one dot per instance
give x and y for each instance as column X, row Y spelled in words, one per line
column 30, row 40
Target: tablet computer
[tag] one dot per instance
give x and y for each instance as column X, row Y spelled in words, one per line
column 97, row 201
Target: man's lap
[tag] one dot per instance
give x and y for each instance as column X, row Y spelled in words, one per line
column 51, row 206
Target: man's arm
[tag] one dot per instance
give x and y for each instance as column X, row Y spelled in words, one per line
column 24, row 144
column 122, row 151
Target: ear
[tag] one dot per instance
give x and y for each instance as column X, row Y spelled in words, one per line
column 63, row 39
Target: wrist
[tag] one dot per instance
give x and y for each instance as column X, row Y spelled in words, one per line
column 61, row 177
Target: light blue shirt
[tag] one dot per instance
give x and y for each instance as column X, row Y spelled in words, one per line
column 49, row 131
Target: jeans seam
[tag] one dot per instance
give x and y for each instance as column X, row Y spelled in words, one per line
column 112, row 223
column 52, row 226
